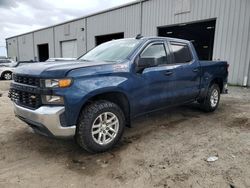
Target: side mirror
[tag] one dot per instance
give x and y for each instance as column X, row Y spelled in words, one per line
column 143, row 63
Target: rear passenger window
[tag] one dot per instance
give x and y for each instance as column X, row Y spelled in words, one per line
column 181, row 52
column 156, row 51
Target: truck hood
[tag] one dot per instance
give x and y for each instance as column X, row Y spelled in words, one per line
column 55, row 69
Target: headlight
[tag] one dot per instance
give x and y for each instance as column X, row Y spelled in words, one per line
column 61, row 83
column 52, row 99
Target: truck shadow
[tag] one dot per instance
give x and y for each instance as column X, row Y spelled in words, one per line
column 76, row 159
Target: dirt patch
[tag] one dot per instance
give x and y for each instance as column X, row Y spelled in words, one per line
column 172, row 179
column 171, row 124
column 241, row 122
column 91, row 164
column 164, row 149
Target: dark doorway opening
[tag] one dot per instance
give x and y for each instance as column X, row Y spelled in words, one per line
column 201, row 34
column 105, row 38
column 43, row 52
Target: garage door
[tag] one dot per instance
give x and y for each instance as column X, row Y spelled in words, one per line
column 69, row 49
column 201, row 34
column 105, row 38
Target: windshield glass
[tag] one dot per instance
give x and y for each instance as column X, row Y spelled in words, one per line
column 113, row 51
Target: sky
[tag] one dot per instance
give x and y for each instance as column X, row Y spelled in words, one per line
column 21, row 16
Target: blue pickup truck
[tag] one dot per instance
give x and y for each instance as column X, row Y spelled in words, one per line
column 93, row 98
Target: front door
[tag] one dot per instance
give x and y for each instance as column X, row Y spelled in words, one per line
column 154, row 84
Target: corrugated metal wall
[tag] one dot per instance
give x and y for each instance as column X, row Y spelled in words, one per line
column 26, row 49
column 232, row 36
column 43, row 37
column 12, row 48
column 76, row 31
column 125, row 20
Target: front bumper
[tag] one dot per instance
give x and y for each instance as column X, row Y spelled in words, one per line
column 45, row 120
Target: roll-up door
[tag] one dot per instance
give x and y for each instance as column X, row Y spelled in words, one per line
column 69, row 49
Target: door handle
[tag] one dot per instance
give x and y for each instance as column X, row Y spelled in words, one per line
column 196, row 70
column 168, row 73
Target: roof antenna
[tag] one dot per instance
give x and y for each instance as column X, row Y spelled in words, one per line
column 139, row 36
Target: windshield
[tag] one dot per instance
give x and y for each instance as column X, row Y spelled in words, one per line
column 113, row 51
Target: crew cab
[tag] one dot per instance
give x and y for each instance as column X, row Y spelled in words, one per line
column 94, row 98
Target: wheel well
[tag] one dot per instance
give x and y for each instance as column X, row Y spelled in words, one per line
column 5, row 72
column 116, row 97
column 218, row 81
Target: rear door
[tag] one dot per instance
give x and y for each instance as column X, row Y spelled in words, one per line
column 187, row 72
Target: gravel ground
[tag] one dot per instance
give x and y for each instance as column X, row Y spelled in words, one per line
column 165, row 149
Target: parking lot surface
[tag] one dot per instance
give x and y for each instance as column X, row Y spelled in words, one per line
column 164, row 149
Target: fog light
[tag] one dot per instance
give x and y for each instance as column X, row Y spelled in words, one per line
column 52, row 99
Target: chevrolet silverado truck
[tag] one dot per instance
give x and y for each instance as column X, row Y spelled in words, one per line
column 93, row 98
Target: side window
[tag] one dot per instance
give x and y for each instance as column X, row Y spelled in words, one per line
column 155, row 51
column 181, row 52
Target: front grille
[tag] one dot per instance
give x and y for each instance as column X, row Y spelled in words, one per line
column 25, row 99
column 26, row 80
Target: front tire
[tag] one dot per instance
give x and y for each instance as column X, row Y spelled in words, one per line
column 100, row 126
column 211, row 102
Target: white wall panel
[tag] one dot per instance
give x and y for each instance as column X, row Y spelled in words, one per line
column 125, row 20
column 12, row 48
column 75, row 31
column 42, row 37
column 26, row 49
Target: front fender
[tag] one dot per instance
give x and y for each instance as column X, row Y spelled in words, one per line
column 84, row 89
column 99, row 85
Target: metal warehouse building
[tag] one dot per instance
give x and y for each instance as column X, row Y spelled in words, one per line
column 219, row 29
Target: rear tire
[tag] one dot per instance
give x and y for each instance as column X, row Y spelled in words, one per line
column 100, row 126
column 211, row 102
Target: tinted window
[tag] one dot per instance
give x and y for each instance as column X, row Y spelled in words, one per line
column 155, row 51
column 181, row 53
